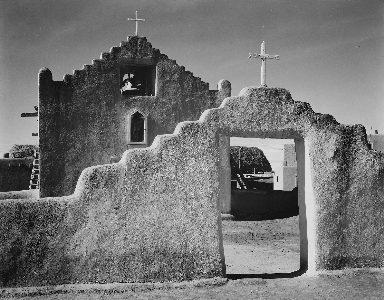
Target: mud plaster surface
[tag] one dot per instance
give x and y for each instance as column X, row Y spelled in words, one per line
column 275, row 235
column 256, row 247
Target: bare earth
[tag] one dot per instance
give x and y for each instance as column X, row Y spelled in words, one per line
column 257, row 247
column 251, row 249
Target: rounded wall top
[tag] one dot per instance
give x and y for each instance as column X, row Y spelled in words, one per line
column 224, row 84
column 247, row 90
column 45, row 70
column 45, row 73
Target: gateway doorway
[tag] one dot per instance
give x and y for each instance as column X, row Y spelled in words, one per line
column 271, row 244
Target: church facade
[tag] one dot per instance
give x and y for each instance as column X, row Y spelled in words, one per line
column 122, row 101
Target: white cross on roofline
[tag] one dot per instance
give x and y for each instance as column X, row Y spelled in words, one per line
column 137, row 23
column 263, row 57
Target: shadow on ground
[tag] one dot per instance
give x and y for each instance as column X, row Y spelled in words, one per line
column 267, row 275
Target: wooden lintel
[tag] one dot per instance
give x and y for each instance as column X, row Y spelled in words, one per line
column 34, row 114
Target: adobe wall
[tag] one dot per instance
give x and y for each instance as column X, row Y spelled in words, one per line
column 83, row 119
column 285, row 178
column 289, row 155
column 376, row 142
column 155, row 215
column 15, row 174
column 290, row 178
column 22, row 194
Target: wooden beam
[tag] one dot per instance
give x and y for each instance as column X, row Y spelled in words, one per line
column 34, row 114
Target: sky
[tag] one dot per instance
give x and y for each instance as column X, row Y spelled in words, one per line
column 331, row 51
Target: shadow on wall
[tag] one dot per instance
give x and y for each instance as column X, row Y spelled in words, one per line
column 257, row 205
column 15, row 174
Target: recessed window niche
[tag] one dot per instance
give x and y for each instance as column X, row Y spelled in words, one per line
column 137, row 128
column 137, row 80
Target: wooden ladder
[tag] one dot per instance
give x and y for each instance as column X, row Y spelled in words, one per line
column 34, row 183
column 243, row 182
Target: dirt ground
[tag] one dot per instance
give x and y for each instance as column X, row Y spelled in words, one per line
column 257, row 247
column 251, row 249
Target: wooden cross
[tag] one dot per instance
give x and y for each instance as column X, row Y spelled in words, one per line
column 137, row 22
column 263, row 57
column 34, row 114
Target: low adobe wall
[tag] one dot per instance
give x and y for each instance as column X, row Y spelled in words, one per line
column 23, row 194
column 34, row 236
column 15, row 174
column 264, row 205
column 102, row 235
column 155, row 215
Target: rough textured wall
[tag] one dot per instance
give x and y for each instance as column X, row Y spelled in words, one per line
column 83, row 119
column 349, row 193
column 132, row 221
column 34, row 240
column 155, row 214
column 15, row 174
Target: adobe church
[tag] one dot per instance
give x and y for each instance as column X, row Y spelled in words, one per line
column 154, row 216
column 121, row 101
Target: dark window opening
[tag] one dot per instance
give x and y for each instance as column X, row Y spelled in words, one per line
column 137, row 80
column 137, row 128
